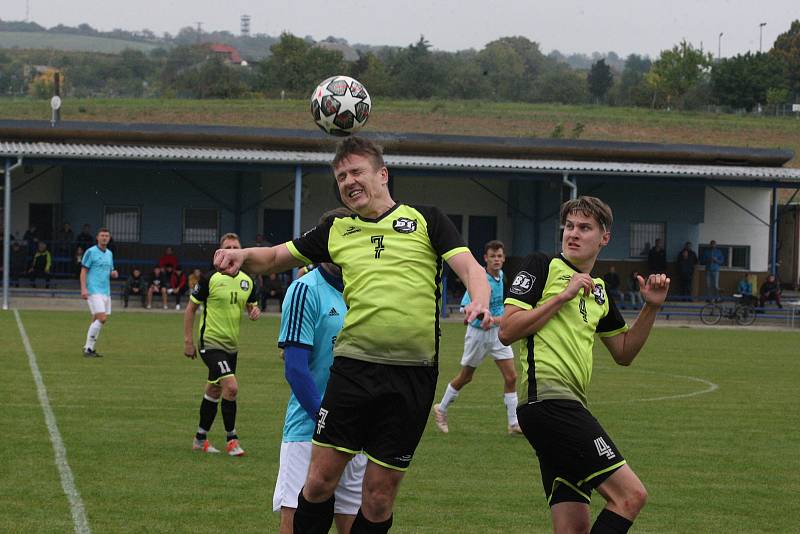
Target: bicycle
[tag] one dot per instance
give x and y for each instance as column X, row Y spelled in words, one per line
column 743, row 313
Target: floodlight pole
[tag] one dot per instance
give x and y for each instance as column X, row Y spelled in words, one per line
column 719, row 46
column 760, row 36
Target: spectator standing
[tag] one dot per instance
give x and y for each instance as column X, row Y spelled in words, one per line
column 713, row 259
column 77, row 258
column 41, row 264
column 63, row 242
column 178, row 284
column 273, row 289
column 85, row 238
column 613, row 282
column 685, row 264
column 168, row 258
column 633, row 289
column 770, row 290
column 19, row 262
column 134, row 287
column 657, row 258
column 31, row 239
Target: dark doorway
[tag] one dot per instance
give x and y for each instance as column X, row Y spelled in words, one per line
column 278, row 226
column 42, row 216
column 482, row 229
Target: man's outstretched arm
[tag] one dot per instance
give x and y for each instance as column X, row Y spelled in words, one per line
column 256, row 260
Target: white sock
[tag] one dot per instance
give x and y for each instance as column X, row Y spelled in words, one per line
column 450, row 396
column 510, row 400
column 93, row 334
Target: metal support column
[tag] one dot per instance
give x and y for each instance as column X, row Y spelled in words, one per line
column 298, row 201
column 7, row 226
column 773, row 233
column 572, row 184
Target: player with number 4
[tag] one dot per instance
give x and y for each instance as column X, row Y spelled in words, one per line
column 224, row 297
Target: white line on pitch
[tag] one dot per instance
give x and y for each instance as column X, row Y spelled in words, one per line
column 76, row 506
column 711, row 387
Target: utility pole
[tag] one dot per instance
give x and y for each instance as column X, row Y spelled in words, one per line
column 760, row 35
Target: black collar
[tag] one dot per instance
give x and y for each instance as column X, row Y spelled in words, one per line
column 335, row 281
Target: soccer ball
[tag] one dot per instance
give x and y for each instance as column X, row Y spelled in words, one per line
column 340, row 106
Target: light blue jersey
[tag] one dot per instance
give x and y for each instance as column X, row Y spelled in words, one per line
column 99, row 265
column 495, row 301
column 311, row 317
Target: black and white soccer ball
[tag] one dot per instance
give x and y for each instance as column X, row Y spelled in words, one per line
column 340, row 105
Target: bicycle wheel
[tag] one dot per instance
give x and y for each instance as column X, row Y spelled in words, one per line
column 710, row 314
column 745, row 315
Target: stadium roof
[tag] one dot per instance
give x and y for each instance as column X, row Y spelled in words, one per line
column 193, row 154
column 396, row 143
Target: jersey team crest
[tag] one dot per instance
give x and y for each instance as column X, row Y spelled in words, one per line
column 599, row 294
column 404, row 225
column 523, row 283
column 244, row 284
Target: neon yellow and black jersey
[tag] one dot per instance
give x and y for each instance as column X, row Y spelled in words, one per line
column 557, row 360
column 224, row 297
column 392, row 271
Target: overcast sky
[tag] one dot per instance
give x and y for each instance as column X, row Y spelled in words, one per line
column 624, row 27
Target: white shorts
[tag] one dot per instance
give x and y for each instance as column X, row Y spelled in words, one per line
column 478, row 343
column 99, row 304
column 294, row 462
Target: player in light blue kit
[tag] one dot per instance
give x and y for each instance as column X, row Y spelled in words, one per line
column 97, row 266
column 479, row 342
column 312, row 314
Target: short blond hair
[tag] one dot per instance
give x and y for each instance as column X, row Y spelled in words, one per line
column 591, row 207
column 226, row 237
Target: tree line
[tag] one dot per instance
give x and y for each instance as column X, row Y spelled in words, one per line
column 511, row 69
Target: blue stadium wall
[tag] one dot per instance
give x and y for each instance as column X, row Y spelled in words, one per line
column 161, row 195
column 535, row 212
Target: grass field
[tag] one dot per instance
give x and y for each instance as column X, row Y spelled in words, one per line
column 68, row 42
column 713, row 461
column 443, row 117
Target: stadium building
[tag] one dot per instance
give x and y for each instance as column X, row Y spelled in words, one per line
column 183, row 186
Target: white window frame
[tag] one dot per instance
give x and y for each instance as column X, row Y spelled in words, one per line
column 652, row 230
column 200, row 236
column 118, row 229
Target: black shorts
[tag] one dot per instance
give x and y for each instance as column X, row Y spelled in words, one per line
column 575, row 453
column 220, row 363
column 379, row 409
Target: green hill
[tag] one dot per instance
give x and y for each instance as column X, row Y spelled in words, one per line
column 69, row 42
column 452, row 117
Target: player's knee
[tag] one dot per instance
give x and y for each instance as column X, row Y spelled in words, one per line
column 377, row 502
column 319, row 485
column 638, row 498
column 633, row 500
column 229, row 391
